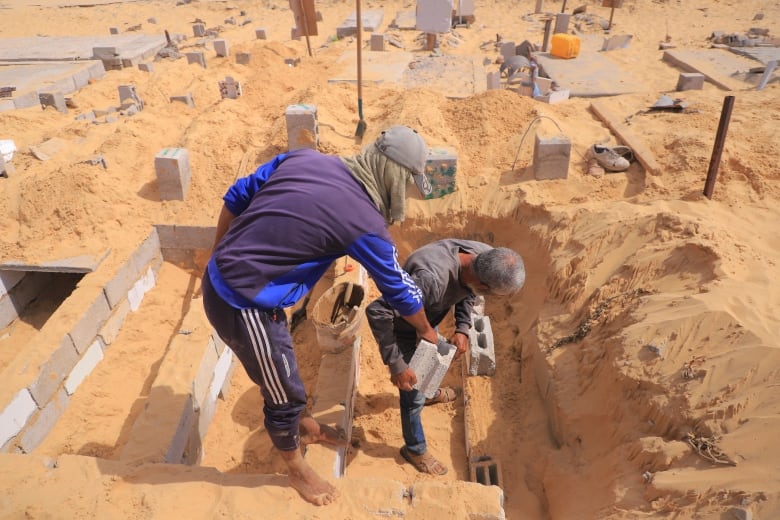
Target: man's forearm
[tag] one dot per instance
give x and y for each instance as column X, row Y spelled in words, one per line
column 419, row 321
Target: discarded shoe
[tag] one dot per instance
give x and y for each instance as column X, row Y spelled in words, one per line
column 625, row 152
column 610, row 160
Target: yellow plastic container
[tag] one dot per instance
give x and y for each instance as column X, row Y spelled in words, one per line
column 565, row 45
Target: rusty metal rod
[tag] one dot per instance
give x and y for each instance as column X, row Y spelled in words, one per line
column 717, row 150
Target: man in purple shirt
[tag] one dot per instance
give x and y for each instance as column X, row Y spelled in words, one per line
column 279, row 231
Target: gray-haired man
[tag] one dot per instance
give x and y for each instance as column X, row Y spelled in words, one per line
column 450, row 273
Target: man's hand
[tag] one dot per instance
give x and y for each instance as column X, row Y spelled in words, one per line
column 461, row 343
column 405, row 380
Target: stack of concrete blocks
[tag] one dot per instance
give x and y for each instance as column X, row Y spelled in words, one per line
column 377, row 41
column 261, row 34
column 482, row 352
column 302, row 131
column 39, row 381
column 551, row 157
column 243, row 58
column 221, row 48
column 229, row 88
column 128, row 96
column 196, row 57
column 186, row 99
column 172, row 166
column 440, row 168
column 371, row 20
column 690, row 81
column 198, row 30
column 53, row 99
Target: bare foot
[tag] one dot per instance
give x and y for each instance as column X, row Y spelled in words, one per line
column 313, row 432
column 306, row 482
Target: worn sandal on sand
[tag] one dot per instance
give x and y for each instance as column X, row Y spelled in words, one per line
column 444, row 394
column 425, row 463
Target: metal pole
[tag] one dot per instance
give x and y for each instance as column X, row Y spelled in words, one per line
column 547, row 29
column 717, row 150
column 611, row 14
column 563, row 8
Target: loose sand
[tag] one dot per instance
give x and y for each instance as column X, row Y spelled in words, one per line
column 674, row 296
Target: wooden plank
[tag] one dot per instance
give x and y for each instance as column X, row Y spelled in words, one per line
column 621, row 130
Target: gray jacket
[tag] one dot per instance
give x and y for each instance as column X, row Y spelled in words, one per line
column 435, row 268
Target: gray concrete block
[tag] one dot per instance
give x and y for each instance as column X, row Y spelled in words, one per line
column 243, row 58
column 493, row 80
column 128, row 93
column 110, row 330
column 146, row 67
column 261, row 34
column 551, row 157
column 690, row 81
column 561, row 23
column 95, row 315
column 508, row 49
column 302, row 129
column 39, row 427
column 371, row 20
column 186, row 237
column 53, row 99
column 377, row 42
column 124, row 278
column 198, row 30
column 196, row 57
column 482, row 355
column 54, row 371
column 221, row 48
column 15, row 415
column 85, row 366
column 147, row 251
column 230, row 88
column 186, row 99
column 113, row 30
column 618, row 41
column 172, row 166
column 27, row 100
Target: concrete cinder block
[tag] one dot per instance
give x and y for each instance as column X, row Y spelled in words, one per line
column 15, row 415
column 690, row 81
column 221, row 48
column 562, row 23
column 95, row 315
column 482, row 354
column 147, row 251
column 223, row 371
column 302, row 131
column 172, row 166
column 54, row 371
column 129, row 94
column 486, row 472
column 196, row 57
column 508, row 49
column 146, row 66
column 113, row 30
column 371, row 20
column 85, row 366
column 39, row 426
column 377, row 42
column 198, row 30
column 186, row 99
column 440, row 168
column 551, row 157
column 261, row 34
column 27, row 100
column 53, row 99
column 243, row 58
column 554, row 96
column 493, row 80
column 202, row 382
column 110, row 330
column 186, row 237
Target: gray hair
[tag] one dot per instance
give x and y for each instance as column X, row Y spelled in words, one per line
column 501, row 269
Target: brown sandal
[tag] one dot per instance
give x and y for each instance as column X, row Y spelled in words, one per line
column 425, row 463
column 444, row 394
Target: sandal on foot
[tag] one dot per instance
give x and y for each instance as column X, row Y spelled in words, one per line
column 445, row 394
column 425, row 463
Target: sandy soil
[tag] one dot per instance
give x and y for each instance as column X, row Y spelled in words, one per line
column 649, row 320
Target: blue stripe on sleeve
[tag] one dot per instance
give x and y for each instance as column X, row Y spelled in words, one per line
column 380, row 258
column 240, row 194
